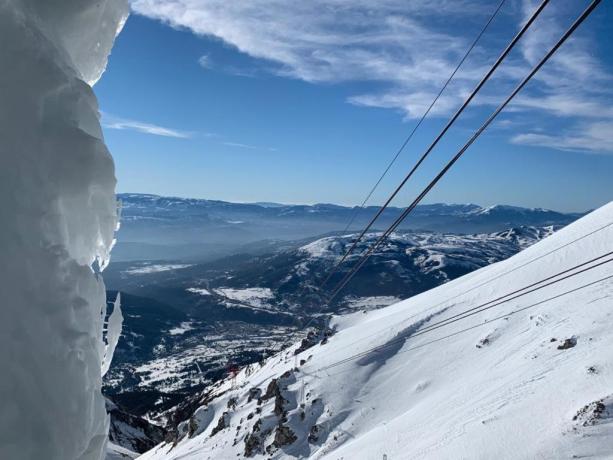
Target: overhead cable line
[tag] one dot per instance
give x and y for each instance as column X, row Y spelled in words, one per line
column 470, row 313
column 516, row 294
column 489, row 321
column 459, row 154
column 359, row 208
column 490, row 280
column 451, row 121
column 336, row 267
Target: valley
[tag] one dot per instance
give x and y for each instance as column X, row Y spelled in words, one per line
column 186, row 323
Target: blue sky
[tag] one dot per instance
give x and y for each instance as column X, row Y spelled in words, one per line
column 305, row 102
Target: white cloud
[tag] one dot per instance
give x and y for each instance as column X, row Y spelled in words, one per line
column 112, row 122
column 567, row 105
column 574, row 85
column 406, row 50
column 247, row 146
column 596, row 137
column 240, row 145
column 205, row 61
column 390, row 42
column 412, row 104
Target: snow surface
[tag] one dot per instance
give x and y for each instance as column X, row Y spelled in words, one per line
column 199, row 291
column 254, row 297
column 184, row 327
column 155, row 268
column 529, row 378
column 58, row 218
column 371, row 302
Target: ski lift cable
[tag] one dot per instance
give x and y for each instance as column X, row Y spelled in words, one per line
column 514, row 295
column 490, row 280
column 473, row 312
column 459, row 154
column 475, row 326
column 485, row 306
column 441, row 134
column 450, row 122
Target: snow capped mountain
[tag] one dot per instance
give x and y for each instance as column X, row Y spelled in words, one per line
column 436, row 243
column 155, row 227
column 423, row 259
column 512, row 360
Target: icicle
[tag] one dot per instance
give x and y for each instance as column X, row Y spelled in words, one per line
column 112, row 336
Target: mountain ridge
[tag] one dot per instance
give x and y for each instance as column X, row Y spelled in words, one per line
column 129, row 196
column 156, row 227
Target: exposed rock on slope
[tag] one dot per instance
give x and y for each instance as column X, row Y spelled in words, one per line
column 133, row 433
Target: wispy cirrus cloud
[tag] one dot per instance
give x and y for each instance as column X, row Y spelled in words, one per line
column 574, row 86
column 247, row 146
column 412, row 104
column 113, row 122
column 391, row 43
column 406, row 51
column 240, row 145
column 207, row 62
column 596, row 137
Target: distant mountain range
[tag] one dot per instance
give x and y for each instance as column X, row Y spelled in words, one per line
column 162, row 228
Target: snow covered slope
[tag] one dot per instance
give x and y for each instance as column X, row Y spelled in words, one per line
column 531, row 377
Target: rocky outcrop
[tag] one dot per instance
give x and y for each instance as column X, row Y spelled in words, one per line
column 568, row 343
column 221, row 424
column 313, row 434
column 254, row 441
column 284, row 436
column 594, row 412
column 254, row 393
column 131, row 432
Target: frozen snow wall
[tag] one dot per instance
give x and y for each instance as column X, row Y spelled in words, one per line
column 57, row 216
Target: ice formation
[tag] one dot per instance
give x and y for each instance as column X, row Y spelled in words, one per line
column 112, row 336
column 58, row 217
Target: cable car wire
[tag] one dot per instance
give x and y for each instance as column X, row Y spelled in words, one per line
column 459, row 154
column 473, row 312
column 442, row 133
